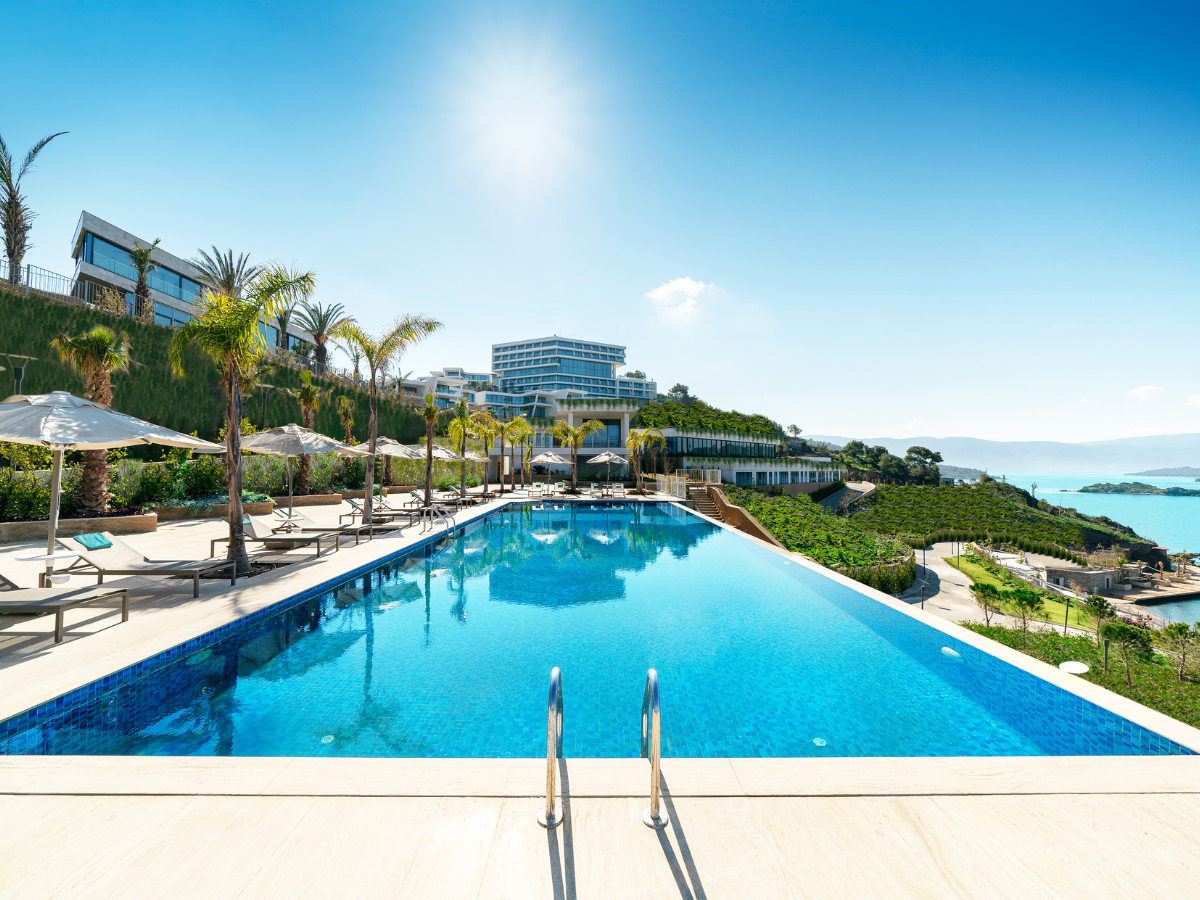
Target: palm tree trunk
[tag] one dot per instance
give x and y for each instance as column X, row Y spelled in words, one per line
column 93, row 482
column 233, row 474
column 574, row 467
column 500, row 464
column 304, row 470
column 428, row 462
column 462, row 474
column 372, row 438
column 321, row 355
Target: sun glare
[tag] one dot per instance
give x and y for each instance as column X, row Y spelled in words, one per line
column 521, row 111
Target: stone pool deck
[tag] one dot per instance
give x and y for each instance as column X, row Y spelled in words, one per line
column 448, row 828
column 847, row 828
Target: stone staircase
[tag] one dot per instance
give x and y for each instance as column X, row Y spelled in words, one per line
column 704, row 504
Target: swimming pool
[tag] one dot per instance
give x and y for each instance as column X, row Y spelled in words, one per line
column 446, row 651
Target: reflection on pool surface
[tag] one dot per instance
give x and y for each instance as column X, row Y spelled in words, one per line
column 447, row 652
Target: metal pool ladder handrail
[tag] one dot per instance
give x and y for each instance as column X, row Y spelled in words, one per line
column 653, row 815
column 552, row 814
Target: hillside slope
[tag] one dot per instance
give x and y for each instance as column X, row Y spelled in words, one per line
column 150, row 391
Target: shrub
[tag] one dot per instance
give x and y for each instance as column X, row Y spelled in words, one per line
column 23, row 497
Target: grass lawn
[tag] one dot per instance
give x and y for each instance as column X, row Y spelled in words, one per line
column 1054, row 609
column 1154, row 682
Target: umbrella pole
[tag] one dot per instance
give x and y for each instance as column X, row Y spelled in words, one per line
column 291, row 503
column 55, row 499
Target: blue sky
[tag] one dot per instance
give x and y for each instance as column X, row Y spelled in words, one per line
column 865, row 219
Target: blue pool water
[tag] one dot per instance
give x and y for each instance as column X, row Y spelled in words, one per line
column 447, row 651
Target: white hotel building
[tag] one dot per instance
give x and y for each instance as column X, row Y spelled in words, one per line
column 576, row 380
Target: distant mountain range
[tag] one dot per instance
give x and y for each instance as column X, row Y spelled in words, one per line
column 1181, row 471
column 1001, row 457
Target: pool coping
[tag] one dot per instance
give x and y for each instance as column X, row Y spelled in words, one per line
column 866, row 776
column 232, row 604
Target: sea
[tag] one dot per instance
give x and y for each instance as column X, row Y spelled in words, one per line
column 1171, row 522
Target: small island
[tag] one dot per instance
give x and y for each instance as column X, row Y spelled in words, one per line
column 1138, row 487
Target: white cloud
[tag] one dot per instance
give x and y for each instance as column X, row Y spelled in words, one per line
column 1144, row 393
column 1192, row 400
column 915, row 425
column 676, row 299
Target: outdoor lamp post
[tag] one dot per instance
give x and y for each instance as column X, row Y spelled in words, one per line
column 18, row 368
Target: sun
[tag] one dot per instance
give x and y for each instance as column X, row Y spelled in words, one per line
column 520, row 110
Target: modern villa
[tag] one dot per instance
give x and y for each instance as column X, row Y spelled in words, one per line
column 101, row 253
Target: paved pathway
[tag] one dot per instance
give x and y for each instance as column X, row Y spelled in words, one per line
column 947, row 590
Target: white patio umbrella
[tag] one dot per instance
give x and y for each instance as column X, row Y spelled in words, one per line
column 62, row 422
column 294, row 440
column 608, row 458
column 549, row 459
column 389, row 447
column 443, row 453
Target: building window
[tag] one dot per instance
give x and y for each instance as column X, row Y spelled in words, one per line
column 111, row 258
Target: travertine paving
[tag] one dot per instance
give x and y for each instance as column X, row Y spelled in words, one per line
column 235, row 828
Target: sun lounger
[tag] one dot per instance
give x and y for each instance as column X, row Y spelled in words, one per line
column 118, row 558
column 380, row 511
column 308, row 526
column 43, row 601
column 261, row 530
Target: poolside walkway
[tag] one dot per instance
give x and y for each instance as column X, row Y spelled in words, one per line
column 298, row 828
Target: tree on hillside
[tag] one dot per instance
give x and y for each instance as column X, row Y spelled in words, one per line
column 987, row 598
column 1130, row 640
column 226, row 275
column 922, row 465
column 680, row 394
column 310, row 397
column 323, row 322
column 226, row 328
column 95, row 355
column 15, row 215
column 794, row 430
column 1181, row 639
column 345, row 411
column 143, row 265
column 1027, row 604
column 378, row 351
column 1099, row 611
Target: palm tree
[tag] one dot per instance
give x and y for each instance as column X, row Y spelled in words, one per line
column 95, row 355
column 637, row 442
column 517, row 431
column 15, row 216
column 378, row 351
column 460, row 429
column 430, row 412
column 225, row 275
column 310, row 397
column 139, row 258
column 573, row 436
column 282, row 320
column 226, row 328
column 345, row 411
column 323, row 322
column 486, row 427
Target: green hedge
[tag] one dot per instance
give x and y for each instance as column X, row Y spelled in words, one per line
column 803, row 527
column 973, row 512
column 149, row 391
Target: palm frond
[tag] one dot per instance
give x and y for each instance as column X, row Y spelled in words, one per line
column 31, row 156
column 223, row 273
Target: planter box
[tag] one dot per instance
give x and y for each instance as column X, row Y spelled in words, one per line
column 219, row 511
column 311, row 500
column 38, row 531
